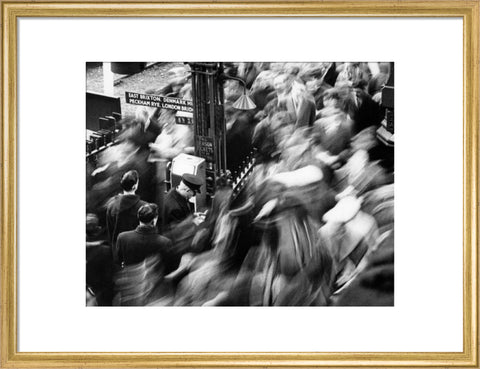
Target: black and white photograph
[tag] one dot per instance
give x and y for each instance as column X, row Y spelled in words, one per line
column 240, row 183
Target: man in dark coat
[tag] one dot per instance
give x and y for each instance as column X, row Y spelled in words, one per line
column 135, row 246
column 122, row 209
column 99, row 267
column 144, row 258
column 177, row 205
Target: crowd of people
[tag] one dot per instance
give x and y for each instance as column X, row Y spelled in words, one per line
column 314, row 225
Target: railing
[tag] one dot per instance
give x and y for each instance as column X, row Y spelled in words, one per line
column 100, row 139
column 240, row 182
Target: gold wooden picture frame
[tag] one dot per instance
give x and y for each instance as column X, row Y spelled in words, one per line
column 468, row 11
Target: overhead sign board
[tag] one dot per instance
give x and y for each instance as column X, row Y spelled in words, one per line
column 158, row 101
column 184, row 118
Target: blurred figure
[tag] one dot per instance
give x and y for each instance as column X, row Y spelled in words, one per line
column 248, row 72
column 364, row 111
column 342, row 99
column 174, row 139
column 282, row 264
column 295, row 148
column 374, row 285
column 361, row 175
column 283, row 129
column 262, row 91
column 315, row 84
column 379, row 203
column 331, row 134
column 289, row 267
column 351, row 236
column 177, row 86
column 142, row 254
column 268, row 137
column 308, row 185
column 127, row 154
column 240, row 127
column 177, row 204
column 177, row 78
column 122, row 209
column 232, row 91
column 351, row 73
column 208, row 276
column 265, row 145
column 378, row 80
column 294, row 99
column 99, row 268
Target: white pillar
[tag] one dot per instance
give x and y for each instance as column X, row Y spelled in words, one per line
column 107, row 79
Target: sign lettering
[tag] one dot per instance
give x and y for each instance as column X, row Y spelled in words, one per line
column 205, row 148
column 184, row 118
column 158, row 101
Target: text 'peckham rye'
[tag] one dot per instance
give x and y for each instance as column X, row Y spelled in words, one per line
column 156, row 101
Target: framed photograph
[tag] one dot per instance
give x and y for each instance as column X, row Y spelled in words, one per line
column 239, row 184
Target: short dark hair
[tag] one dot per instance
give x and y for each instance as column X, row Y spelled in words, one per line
column 129, row 180
column 147, row 213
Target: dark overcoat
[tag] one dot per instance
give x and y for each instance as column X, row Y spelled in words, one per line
column 135, row 246
column 177, row 208
column 122, row 215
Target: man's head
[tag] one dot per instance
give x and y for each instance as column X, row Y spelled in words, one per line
column 189, row 185
column 148, row 214
column 129, row 181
